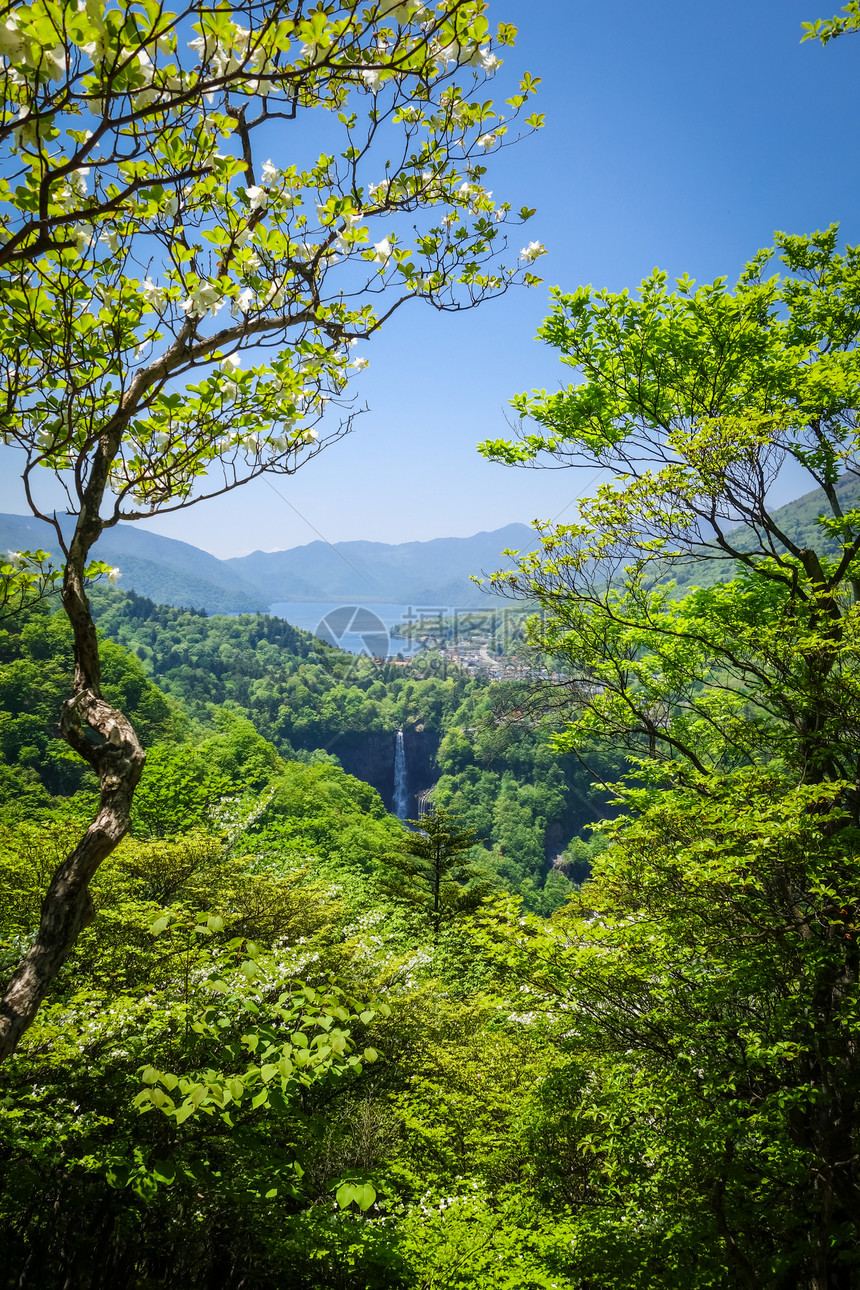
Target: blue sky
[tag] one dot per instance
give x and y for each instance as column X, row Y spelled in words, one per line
column 678, row 135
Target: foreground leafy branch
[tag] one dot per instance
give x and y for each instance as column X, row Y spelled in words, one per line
column 118, row 382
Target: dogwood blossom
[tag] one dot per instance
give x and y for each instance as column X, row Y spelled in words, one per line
column 153, row 295
column 276, row 295
column 383, row 251
column 77, row 181
column 11, row 42
column 532, row 251
column 401, row 13
column 243, row 302
column 343, row 241
column 206, row 298
column 269, row 174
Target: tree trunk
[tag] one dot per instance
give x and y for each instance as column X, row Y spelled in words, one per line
column 117, row 757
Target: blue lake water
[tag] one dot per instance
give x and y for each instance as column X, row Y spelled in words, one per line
column 354, row 627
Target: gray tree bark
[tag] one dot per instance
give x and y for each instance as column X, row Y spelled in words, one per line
column 117, row 756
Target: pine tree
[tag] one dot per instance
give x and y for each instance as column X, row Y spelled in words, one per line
column 432, row 872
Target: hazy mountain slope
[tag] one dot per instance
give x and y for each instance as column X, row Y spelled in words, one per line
column 429, row 575
column 435, row 573
column 165, row 570
column 797, row 520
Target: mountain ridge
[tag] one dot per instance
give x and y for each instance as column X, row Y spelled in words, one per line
column 437, row 570
column 432, row 574
column 172, row 572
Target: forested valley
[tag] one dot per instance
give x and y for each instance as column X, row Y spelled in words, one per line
column 342, row 972
column 257, row 868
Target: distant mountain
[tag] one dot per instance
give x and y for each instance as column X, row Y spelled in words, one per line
column 426, row 574
column 435, row 573
column 797, row 520
column 167, row 571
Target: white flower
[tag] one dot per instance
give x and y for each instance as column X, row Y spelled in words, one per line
column 270, row 174
column 206, row 297
column 147, row 68
column 383, row 251
column 487, row 140
column 401, row 13
column 171, row 206
column 77, row 180
column 153, row 295
column 448, row 53
column 230, row 362
column 371, row 80
column 111, row 240
column 532, row 252
column 112, row 576
column 14, row 558
column 258, row 197
column 308, row 436
column 359, row 364
column 27, row 131
column 276, row 295
column 58, row 63
column 344, row 240
column 243, row 302
column 11, row 44
column 241, row 36
column 200, row 47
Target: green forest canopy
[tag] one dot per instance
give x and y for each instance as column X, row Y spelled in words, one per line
column 270, row 1059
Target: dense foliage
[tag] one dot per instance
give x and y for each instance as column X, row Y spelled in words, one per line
column 302, row 1044
column 267, row 1052
column 493, row 768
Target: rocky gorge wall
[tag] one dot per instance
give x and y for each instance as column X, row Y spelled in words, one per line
column 370, row 757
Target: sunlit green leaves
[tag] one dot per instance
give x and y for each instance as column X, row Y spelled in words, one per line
column 826, row 29
column 168, row 246
column 275, row 1045
column 692, row 401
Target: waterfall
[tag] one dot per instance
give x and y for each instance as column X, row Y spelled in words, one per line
column 401, row 790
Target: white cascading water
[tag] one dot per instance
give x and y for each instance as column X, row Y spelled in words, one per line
column 401, row 790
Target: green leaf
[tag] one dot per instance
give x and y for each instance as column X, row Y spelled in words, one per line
column 164, row 1171
column 365, row 1196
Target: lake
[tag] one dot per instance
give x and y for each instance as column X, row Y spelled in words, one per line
column 361, row 629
